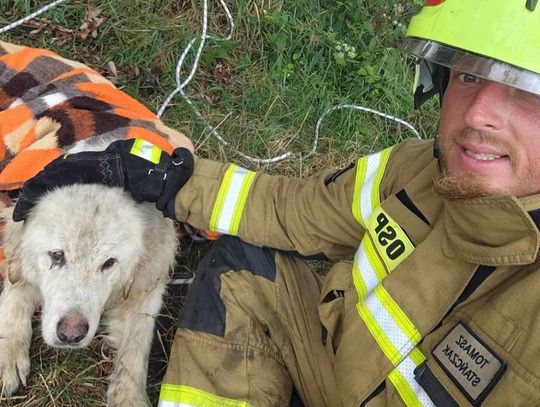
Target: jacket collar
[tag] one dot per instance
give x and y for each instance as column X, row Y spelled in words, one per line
column 497, row 230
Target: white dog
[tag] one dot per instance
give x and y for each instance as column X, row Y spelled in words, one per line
column 88, row 254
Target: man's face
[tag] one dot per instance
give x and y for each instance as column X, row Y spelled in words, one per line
column 489, row 138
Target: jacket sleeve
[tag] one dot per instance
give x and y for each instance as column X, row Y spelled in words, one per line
column 314, row 216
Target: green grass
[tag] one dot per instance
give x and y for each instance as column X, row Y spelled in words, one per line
column 265, row 89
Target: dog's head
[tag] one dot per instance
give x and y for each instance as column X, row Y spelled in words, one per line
column 80, row 246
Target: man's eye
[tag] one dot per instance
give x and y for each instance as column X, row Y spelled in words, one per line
column 468, row 78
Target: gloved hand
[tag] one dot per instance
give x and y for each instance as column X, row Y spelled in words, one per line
column 138, row 166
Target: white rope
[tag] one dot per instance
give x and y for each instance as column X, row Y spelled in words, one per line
column 362, row 109
column 203, row 37
column 42, row 10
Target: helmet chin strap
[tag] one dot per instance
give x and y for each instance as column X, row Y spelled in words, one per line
column 437, row 151
column 431, row 79
column 436, row 147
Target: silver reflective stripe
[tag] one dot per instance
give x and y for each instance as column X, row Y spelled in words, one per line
column 164, row 403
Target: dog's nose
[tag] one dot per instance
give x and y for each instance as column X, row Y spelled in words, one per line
column 72, row 327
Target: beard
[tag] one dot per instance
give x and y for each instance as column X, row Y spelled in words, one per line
column 466, row 186
column 471, row 185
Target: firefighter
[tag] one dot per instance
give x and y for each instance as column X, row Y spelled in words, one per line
column 440, row 302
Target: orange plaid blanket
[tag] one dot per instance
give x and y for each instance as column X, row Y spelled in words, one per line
column 49, row 104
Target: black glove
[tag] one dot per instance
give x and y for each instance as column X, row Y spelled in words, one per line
column 123, row 164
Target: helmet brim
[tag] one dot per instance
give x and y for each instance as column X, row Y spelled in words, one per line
column 473, row 64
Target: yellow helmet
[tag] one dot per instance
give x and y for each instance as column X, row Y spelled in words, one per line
column 498, row 40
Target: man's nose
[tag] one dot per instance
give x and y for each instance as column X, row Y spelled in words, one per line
column 489, row 108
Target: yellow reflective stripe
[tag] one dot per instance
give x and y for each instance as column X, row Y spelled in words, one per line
column 144, row 149
column 231, row 200
column 361, row 167
column 417, row 356
column 220, row 199
column 369, row 173
column 155, row 155
column 392, row 243
column 358, row 281
column 375, row 192
column 402, row 377
column 172, row 395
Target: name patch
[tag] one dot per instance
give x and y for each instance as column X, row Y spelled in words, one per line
column 471, row 365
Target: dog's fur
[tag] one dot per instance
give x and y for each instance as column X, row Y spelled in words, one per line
column 89, row 224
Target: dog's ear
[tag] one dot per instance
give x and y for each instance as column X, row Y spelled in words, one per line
column 10, row 242
column 13, row 271
column 127, row 288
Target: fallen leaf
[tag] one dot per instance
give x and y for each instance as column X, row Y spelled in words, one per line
column 52, row 29
column 133, row 72
column 93, row 19
column 222, row 73
column 111, row 66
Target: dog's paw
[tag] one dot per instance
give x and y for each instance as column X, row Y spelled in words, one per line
column 14, row 366
column 122, row 396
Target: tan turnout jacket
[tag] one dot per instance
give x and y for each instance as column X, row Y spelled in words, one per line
column 455, row 284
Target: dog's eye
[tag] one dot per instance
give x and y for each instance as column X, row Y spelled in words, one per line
column 108, row 264
column 57, row 257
